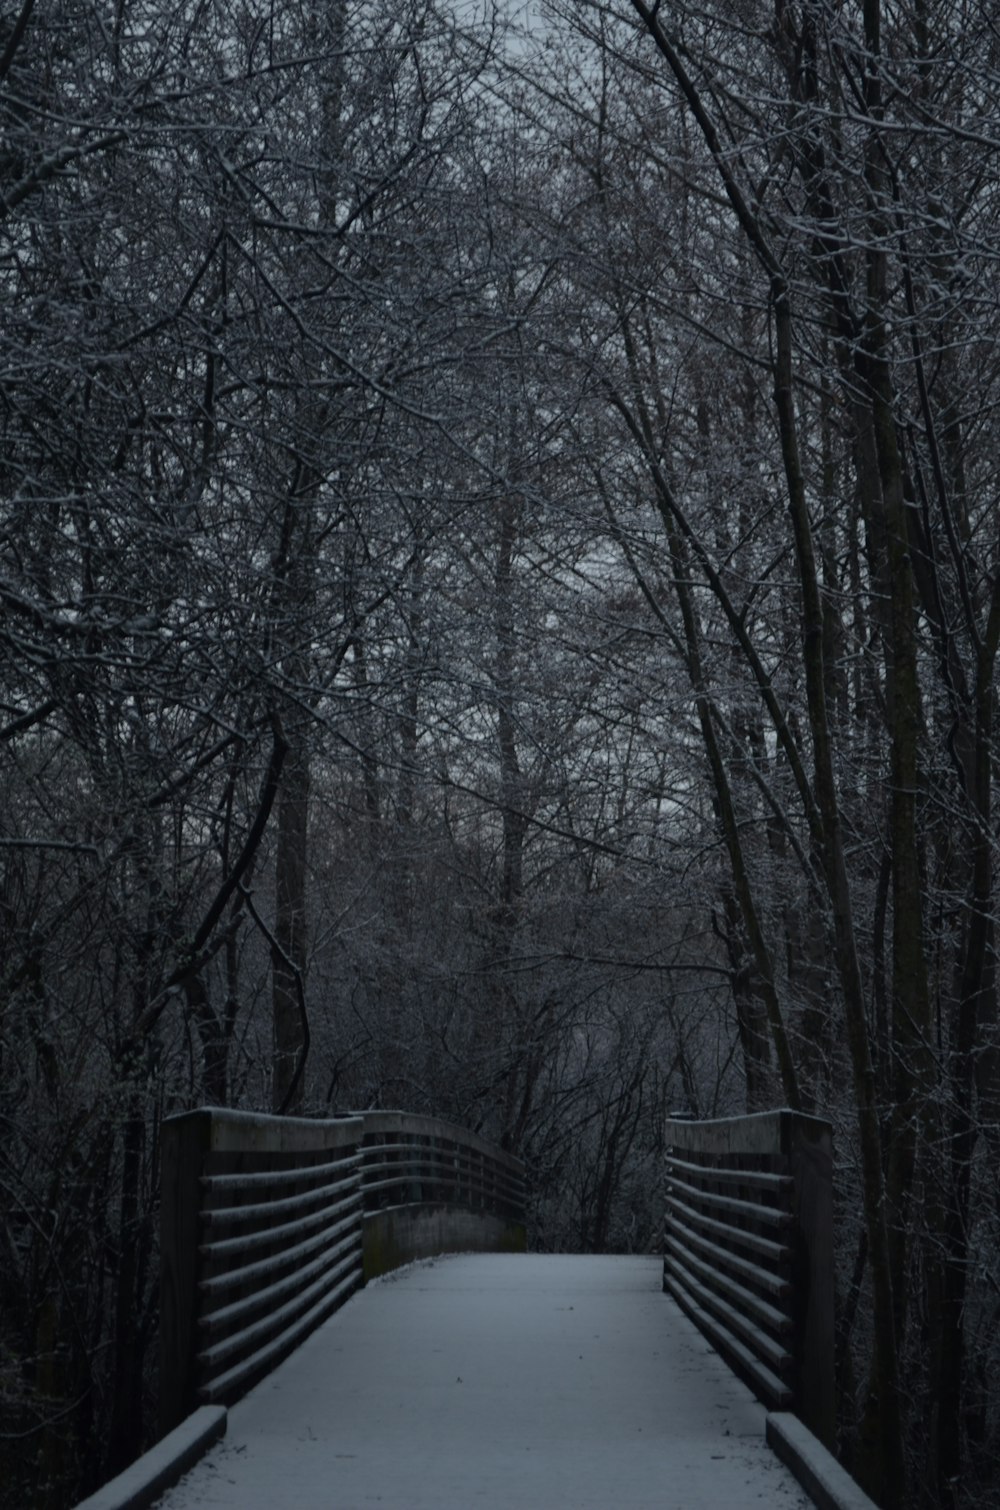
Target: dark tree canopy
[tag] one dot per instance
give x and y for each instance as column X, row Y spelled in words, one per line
column 500, row 593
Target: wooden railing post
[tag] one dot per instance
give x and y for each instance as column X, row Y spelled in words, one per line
column 183, row 1143
column 809, row 1150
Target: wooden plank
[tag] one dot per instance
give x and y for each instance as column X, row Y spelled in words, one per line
column 745, row 1301
column 764, row 1347
column 242, row 1376
column 774, row 1216
column 230, row 1248
column 214, row 1184
column 265, row 1268
column 778, row 1183
column 255, row 1132
column 382, row 1123
column 777, row 1252
column 811, row 1163
column 765, row 1383
column 238, row 1311
column 266, row 1210
column 762, row 1133
column 779, row 1285
column 183, row 1142
column 249, row 1334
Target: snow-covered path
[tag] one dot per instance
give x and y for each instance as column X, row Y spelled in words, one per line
column 499, row 1382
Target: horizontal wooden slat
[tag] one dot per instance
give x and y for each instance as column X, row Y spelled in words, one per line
column 776, row 1252
column 267, row 1295
column 265, row 1210
column 769, row 1386
column 415, row 1167
column 406, row 1145
column 396, row 1183
column 477, row 1169
column 764, row 1346
column 257, row 1133
column 390, row 1197
column 380, row 1127
column 229, row 1279
column 242, row 1374
column 723, row 1174
column 405, row 1176
column 214, row 1184
column 773, row 1215
column 745, row 1301
column 277, row 1320
column 761, row 1134
column 778, row 1285
column 228, row 1247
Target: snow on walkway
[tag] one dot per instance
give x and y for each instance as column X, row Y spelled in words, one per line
column 499, row 1382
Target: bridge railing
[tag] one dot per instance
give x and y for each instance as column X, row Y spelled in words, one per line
column 268, row 1224
column 431, row 1187
column 748, row 1252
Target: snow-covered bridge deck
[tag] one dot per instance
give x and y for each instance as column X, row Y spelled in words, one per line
column 499, row 1382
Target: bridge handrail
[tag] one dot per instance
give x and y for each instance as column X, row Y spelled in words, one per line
column 408, row 1158
column 748, row 1251
column 268, row 1224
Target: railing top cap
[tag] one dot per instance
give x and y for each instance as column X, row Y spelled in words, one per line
column 771, row 1114
column 755, row 1133
column 222, row 1130
column 231, row 1114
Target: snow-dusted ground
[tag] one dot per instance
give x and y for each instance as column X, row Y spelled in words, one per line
column 499, row 1382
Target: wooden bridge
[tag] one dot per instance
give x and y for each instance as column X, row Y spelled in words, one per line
column 498, row 1378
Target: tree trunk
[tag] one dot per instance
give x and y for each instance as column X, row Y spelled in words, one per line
column 288, row 954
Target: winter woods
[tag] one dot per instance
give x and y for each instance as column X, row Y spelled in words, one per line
column 501, row 595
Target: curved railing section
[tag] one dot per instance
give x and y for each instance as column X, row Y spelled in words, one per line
column 268, row 1224
column 748, row 1252
column 431, row 1187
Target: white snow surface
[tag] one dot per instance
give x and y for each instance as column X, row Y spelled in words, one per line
column 499, row 1382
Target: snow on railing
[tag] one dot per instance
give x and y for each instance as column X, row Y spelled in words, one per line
column 748, row 1252
column 268, row 1224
